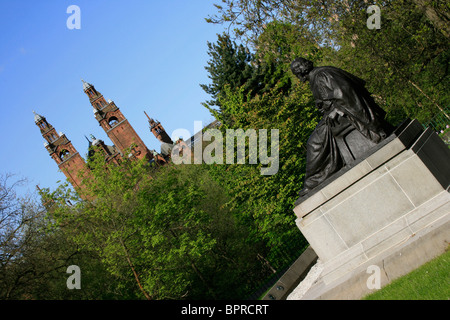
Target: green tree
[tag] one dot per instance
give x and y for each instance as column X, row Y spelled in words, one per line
column 405, row 62
column 165, row 230
column 277, row 101
column 229, row 65
column 34, row 259
column 233, row 66
column 248, row 19
column 266, row 202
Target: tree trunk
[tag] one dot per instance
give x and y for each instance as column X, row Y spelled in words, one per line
column 439, row 107
column 199, row 274
column 136, row 276
column 439, row 19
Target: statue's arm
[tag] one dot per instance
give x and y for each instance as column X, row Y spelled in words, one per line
column 321, row 92
column 336, row 93
column 327, row 93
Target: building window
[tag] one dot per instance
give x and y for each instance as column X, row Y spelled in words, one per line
column 64, row 154
column 51, row 137
column 113, row 122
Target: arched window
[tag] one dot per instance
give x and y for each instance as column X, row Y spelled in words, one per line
column 64, row 154
column 51, row 137
column 113, row 122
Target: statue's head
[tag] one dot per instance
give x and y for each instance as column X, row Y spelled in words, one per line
column 301, row 67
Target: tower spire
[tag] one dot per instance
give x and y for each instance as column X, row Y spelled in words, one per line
column 114, row 123
column 86, row 85
column 158, row 130
column 61, row 150
column 145, row 114
column 37, row 117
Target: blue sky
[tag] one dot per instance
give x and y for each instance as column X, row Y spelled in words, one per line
column 142, row 54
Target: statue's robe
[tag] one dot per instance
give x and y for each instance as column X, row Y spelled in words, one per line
column 343, row 99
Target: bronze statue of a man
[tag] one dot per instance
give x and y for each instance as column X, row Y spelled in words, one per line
column 346, row 105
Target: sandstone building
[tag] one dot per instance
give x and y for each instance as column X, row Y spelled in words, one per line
column 126, row 142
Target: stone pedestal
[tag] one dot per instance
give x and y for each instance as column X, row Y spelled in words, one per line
column 373, row 208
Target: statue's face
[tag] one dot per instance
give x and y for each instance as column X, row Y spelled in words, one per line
column 297, row 69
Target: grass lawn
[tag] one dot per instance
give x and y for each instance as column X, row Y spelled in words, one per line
column 431, row 281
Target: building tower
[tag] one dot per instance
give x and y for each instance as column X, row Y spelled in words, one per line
column 158, row 130
column 116, row 126
column 62, row 151
column 110, row 153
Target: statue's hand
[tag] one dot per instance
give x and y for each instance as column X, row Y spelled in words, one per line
column 333, row 114
column 333, row 117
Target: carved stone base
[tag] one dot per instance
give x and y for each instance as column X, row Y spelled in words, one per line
column 375, row 208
